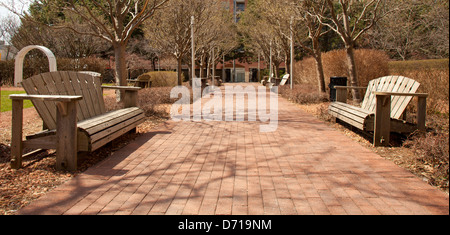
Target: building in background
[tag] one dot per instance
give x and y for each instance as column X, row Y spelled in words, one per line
column 244, row 71
column 7, row 52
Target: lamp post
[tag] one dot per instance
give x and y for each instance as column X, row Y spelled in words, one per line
column 233, row 75
column 291, row 76
column 193, row 47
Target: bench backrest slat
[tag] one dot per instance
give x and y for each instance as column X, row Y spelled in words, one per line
column 390, row 84
column 66, row 83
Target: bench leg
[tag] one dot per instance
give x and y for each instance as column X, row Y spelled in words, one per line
column 421, row 113
column 16, row 137
column 382, row 129
column 66, row 134
column 130, row 99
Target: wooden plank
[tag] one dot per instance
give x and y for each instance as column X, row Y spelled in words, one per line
column 114, row 128
column 92, row 122
column 84, row 90
column 41, row 108
column 379, row 84
column 341, row 95
column 50, row 110
column 71, row 91
column 401, row 126
column 402, row 88
column 421, row 113
column 109, row 138
column 355, row 116
column 382, row 121
column 350, row 107
column 99, row 90
column 16, row 135
column 350, row 115
column 77, row 88
column 84, row 143
column 41, row 134
column 57, row 79
column 45, row 142
column 92, row 93
column 130, row 99
column 66, row 134
column 106, row 123
column 368, row 98
column 130, row 88
column 401, row 81
column 50, row 84
column 54, row 98
column 359, row 125
column 392, row 83
column 403, row 101
column 343, row 113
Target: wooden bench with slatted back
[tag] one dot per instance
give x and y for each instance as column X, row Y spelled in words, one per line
column 94, row 126
column 383, row 107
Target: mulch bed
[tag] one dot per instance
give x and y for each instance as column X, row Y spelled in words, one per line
column 39, row 176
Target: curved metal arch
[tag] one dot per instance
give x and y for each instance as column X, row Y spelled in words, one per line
column 18, row 73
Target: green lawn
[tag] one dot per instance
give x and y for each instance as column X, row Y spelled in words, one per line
column 6, row 103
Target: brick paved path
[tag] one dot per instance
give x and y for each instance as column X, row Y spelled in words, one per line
column 305, row 167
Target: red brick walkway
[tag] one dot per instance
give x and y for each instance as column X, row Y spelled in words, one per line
column 305, row 167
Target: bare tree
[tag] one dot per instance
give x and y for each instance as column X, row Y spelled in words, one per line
column 112, row 21
column 413, row 29
column 260, row 35
column 309, row 28
column 170, row 30
column 349, row 19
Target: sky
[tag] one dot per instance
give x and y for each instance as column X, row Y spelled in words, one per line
column 4, row 12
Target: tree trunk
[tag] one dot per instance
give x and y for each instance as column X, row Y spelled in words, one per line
column 277, row 69
column 180, row 79
column 288, row 62
column 120, row 66
column 319, row 70
column 352, row 73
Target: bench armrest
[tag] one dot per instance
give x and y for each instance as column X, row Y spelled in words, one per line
column 400, row 94
column 125, row 88
column 384, row 98
column 130, row 98
column 57, row 98
column 350, row 87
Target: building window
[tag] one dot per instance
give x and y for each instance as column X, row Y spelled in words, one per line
column 240, row 7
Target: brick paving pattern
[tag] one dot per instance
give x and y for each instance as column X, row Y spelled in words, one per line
column 223, row 168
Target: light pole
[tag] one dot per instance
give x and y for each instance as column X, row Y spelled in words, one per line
column 193, row 47
column 291, row 76
column 233, row 76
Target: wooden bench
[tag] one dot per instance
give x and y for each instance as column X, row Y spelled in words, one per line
column 383, row 109
column 74, row 117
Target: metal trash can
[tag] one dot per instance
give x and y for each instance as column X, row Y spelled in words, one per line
column 336, row 81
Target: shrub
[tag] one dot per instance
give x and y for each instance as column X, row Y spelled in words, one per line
column 303, row 94
column 432, row 149
column 432, row 75
column 160, row 78
column 370, row 64
column 34, row 66
column 154, row 101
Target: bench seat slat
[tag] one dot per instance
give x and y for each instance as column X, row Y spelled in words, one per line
column 351, row 108
column 105, row 119
column 95, row 145
column 114, row 128
column 356, row 117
